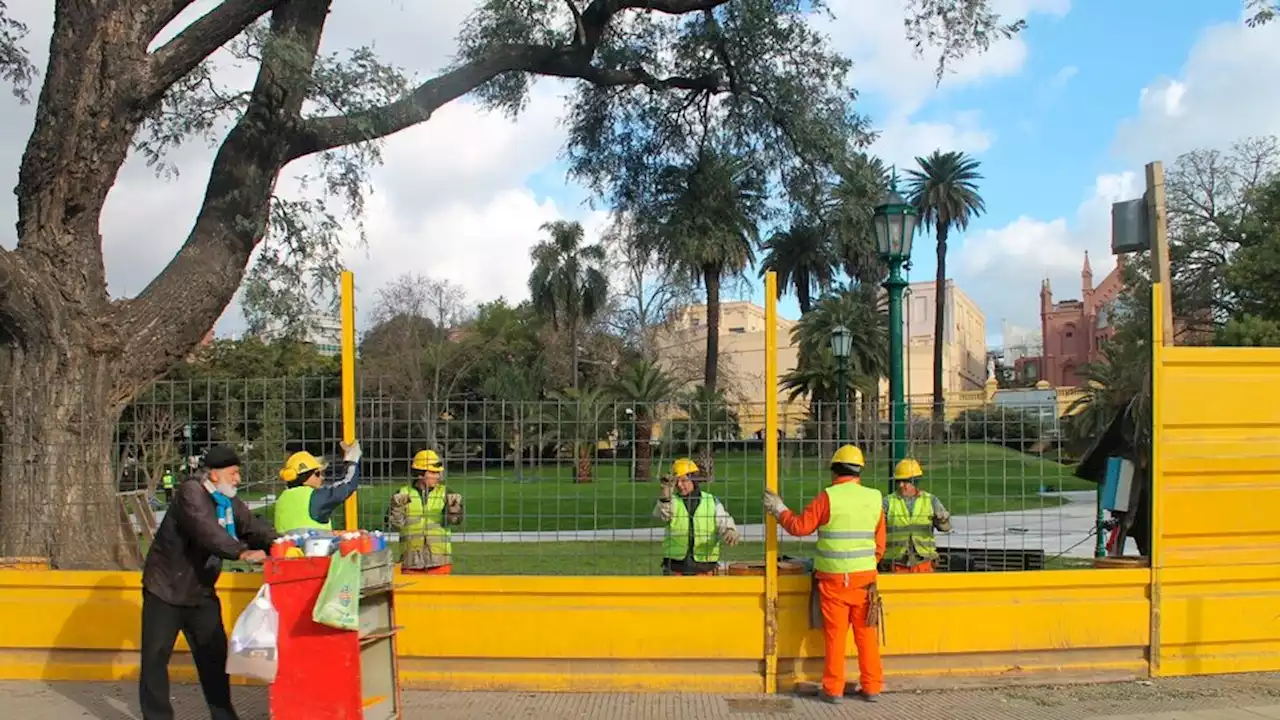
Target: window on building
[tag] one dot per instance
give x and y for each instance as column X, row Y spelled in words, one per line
column 737, row 330
column 1031, row 371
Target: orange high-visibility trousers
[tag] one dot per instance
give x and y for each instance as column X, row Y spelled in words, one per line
column 924, row 567
column 845, row 606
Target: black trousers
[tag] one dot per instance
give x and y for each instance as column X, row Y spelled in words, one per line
column 201, row 625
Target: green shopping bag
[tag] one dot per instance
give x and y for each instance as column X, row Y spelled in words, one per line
column 339, row 603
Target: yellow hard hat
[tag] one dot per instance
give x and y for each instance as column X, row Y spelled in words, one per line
column 683, row 467
column 427, row 460
column 299, row 464
column 848, row 455
column 907, row 469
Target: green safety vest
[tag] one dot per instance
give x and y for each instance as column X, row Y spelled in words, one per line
column 910, row 530
column 847, row 542
column 424, row 525
column 293, row 511
column 167, row 481
column 706, row 538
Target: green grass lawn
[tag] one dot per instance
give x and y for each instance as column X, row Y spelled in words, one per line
column 969, row 477
column 610, row 557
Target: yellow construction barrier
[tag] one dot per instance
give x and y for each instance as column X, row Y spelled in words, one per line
column 637, row 634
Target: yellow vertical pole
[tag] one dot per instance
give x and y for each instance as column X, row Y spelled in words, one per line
column 352, row 506
column 1158, row 222
column 1160, row 324
column 771, row 481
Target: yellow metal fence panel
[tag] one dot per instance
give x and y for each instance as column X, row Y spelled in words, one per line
column 1217, row 489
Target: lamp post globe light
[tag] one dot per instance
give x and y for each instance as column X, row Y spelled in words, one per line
column 841, row 345
column 895, row 223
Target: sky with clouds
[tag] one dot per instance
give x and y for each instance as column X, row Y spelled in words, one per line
column 1062, row 117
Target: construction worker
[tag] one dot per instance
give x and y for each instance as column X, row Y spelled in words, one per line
column 911, row 516
column 205, row 525
column 695, row 526
column 849, row 519
column 166, row 484
column 422, row 513
column 307, row 504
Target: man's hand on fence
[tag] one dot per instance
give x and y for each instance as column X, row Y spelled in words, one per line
column 773, row 504
column 731, row 537
column 351, row 453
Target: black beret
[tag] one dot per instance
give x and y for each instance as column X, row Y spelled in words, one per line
column 221, row 456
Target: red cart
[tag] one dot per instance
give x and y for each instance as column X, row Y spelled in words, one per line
column 327, row 674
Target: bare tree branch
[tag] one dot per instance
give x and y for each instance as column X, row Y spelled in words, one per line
column 199, row 40
column 205, row 274
column 566, row 61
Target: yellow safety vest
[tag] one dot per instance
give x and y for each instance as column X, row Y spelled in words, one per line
column 293, row 511
column 847, row 542
column 910, row 530
column 424, row 525
column 706, row 538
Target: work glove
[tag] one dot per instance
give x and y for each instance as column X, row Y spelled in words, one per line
column 399, row 500
column 667, row 485
column 351, row 453
column 453, row 508
column 731, row 537
column 773, row 503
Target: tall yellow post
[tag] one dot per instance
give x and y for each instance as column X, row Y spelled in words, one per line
column 1161, row 323
column 771, row 481
column 352, row 507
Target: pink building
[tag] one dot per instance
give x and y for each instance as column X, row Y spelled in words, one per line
column 1072, row 330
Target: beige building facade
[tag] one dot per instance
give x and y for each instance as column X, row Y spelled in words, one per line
column 682, row 348
column 964, row 354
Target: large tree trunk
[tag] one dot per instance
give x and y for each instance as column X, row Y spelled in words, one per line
column 57, row 486
column 939, row 334
column 643, row 449
column 711, row 278
column 70, row 356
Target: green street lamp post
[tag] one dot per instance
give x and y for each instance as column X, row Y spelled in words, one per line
column 841, row 345
column 895, row 224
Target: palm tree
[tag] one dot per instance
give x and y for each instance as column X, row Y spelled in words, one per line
column 817, row 374
column 945, row 193
column 579, row 418
column 862, row 185
column 706, row 214
column 804, row 258
column 643, row 388
column 568, row 281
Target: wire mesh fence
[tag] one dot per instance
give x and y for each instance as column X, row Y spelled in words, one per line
column 573, row 486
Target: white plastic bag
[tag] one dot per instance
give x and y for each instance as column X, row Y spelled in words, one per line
column 252, row 649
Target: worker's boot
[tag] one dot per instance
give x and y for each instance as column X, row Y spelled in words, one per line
column 829, row 699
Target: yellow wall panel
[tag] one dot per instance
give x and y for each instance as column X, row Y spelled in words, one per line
column 1217, row 484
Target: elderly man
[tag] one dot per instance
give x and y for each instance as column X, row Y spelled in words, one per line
column 696, row 525
column 205, row 524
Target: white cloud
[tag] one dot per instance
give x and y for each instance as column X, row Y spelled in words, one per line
column 1222, row 95
column 901, row 140
column 886, row 65
column 1002, row 269
column 450, row 201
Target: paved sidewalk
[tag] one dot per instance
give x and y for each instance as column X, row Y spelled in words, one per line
column 1242, row 697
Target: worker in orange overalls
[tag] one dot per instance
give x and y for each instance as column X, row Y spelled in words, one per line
column 911, row 516
column 849, row 519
